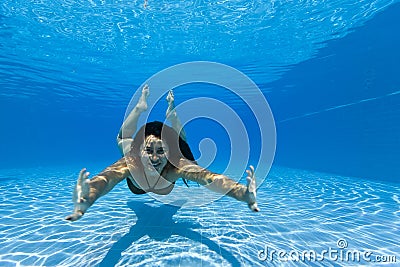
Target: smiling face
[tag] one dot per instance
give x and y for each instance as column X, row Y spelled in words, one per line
column 154, row 154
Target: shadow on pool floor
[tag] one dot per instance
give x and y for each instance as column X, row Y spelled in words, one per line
column 157, row 223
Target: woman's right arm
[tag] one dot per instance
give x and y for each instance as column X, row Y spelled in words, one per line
column 86, row 191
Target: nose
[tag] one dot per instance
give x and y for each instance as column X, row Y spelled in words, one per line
column 154, row 157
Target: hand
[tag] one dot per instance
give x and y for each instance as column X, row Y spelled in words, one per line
column 251, row 189
column 80, row 196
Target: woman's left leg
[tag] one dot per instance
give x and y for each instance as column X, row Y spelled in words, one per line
column 172, row 116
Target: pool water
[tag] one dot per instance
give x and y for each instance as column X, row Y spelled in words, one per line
column 308, row 89
column 300, row 211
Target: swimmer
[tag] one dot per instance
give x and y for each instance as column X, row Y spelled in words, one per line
column 153, row 161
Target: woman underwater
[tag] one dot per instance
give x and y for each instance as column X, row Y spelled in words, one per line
column 154, row 160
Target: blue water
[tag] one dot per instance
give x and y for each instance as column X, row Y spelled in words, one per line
column 300, row 211
column 329, row 71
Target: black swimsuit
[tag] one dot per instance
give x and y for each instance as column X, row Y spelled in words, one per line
column 134, row 189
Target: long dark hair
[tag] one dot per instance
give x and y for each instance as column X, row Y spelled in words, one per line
column 178, row 148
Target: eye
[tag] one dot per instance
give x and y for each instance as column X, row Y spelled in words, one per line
column 149, row 150
column 160, row 150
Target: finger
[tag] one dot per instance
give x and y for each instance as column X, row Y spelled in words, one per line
column 73, row 217
column 254, row 207
column 248, row 181
column 251, row 170
column 82, row 172
column 81, row 176
column 250, row 174
column 251, row 184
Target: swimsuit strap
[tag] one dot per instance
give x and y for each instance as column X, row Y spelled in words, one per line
column 147, row 180
column 153, row 188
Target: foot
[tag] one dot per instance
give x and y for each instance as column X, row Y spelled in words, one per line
column 142, row 104
column 251, row 189
column 171, row 113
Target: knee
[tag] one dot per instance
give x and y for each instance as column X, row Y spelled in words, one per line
column 119, row 140
column 124, row 144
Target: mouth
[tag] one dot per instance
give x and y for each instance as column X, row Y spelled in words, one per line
column 155, row 165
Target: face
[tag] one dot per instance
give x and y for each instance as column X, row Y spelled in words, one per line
column 154, row 153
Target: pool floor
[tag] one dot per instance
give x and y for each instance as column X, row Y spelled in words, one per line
column 307, row 218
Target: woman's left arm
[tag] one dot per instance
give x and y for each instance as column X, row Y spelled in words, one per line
column 220, row 183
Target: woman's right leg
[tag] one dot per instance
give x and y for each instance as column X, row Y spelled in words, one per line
column 129, row 126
